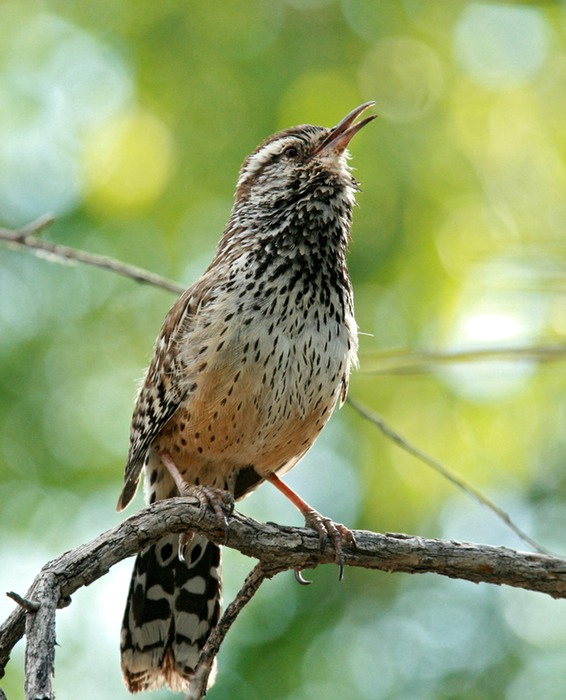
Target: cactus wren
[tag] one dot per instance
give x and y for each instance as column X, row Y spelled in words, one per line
column 249, row 364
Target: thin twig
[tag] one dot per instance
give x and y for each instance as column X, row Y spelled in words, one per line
column 449, row 475
column 27, row 605
column 393, row 362
column 209, row 652
column 23, row 239
column 402, row 362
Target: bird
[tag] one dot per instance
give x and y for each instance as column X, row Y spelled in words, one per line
column 248, row 367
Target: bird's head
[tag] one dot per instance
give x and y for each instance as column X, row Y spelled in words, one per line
column 292, row 162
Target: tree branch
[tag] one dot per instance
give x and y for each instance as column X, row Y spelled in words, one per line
column 253, row 581
column 40, row 635
column 397, row 362
column 389, row 362
column 460, row 483
column 24, row 239
column 277, row 548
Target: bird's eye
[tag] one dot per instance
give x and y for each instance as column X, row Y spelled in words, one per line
column 291, row 152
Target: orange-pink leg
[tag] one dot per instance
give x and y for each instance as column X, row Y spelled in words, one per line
column 326, row 528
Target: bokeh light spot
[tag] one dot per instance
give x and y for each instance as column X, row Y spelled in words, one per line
column 56, row 82
column 500, row 45
column 128, row 162
column 404, row 76
column 494, row 319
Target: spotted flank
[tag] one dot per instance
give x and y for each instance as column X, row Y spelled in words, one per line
column 172, row 606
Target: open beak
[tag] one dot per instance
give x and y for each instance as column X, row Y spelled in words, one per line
column 340, row 136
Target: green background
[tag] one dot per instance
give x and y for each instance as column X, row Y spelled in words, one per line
column 128, row 121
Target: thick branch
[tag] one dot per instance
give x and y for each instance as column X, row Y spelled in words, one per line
column 40, row 635
column 279, row 548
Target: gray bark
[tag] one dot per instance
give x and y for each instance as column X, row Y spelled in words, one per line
column 277, row 548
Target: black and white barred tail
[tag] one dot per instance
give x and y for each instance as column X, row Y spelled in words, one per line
column 172, row 607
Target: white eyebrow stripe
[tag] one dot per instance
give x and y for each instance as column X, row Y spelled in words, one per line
column 257, row 160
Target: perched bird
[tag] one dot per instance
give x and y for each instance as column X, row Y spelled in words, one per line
column 250, row 362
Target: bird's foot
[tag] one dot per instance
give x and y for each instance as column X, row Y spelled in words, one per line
column 219, row 500
column 337, row 533
column 326, row 528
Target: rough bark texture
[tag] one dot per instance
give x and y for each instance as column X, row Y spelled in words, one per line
column 277, row 548
column 40, row 635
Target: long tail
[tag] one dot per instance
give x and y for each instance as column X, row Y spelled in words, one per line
column 172, row 607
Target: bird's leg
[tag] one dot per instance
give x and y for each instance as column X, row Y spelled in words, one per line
column 326, row 528
column 208, row 496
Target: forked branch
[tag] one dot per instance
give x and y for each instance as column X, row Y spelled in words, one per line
column 277, row 548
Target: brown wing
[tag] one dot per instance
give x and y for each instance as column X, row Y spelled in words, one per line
column 161, row 393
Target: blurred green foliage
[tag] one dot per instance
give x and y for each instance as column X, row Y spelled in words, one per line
column 129, row 120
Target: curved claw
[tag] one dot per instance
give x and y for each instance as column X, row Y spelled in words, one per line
column 337, row 533
column 299, row 577
column 184, row 541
